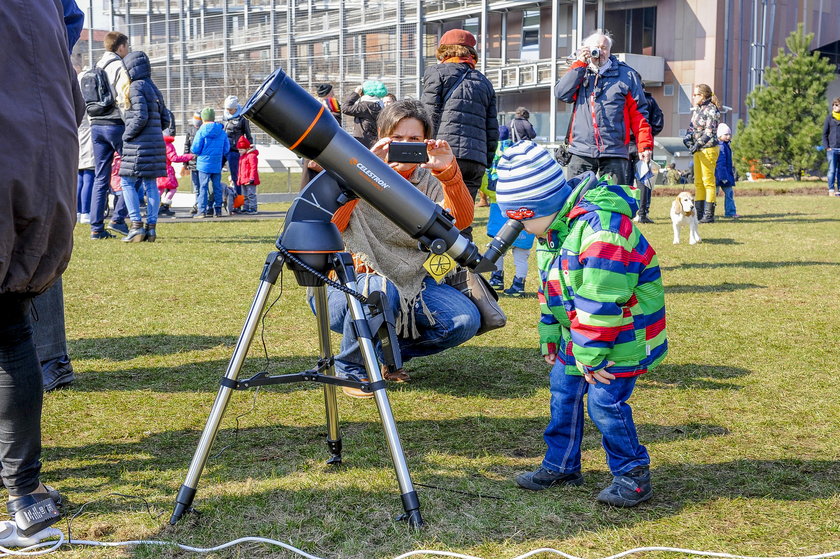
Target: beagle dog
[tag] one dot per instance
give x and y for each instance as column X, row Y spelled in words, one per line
column 683, row 213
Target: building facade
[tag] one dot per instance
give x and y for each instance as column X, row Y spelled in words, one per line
column 205, row 50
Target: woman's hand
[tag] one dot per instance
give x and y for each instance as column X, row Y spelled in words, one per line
column 440, row 155
column 380, row 149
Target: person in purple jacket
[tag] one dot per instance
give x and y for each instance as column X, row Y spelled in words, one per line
column 209, row 146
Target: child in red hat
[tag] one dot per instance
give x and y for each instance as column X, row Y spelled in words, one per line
column 249, row 176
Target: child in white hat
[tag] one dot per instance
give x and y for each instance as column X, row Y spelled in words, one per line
column 725, row 171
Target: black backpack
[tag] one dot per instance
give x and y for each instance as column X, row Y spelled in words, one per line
column 96, row 91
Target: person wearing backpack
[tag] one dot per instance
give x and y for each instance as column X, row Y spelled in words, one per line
column 462, row 104
column 102, row 88
column 520, row 127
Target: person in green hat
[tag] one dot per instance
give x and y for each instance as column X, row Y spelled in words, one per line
column 364, row 105
column 209, row 146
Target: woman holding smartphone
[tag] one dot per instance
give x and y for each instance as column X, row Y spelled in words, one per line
column 431, row 317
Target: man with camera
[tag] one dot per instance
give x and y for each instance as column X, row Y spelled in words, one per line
column 609, row 103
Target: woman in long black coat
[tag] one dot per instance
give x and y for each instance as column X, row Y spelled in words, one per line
column 144, row 151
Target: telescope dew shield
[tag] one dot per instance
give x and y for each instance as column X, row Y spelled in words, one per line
column 299, row 121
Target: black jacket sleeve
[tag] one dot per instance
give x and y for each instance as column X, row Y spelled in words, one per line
column 432, row 97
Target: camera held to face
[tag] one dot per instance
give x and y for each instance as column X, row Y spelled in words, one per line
column 594, row 53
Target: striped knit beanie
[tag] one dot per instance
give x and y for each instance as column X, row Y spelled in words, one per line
column 531, row 182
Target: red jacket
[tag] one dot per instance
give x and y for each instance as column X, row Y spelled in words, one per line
column 170, row 181
column 248, row 173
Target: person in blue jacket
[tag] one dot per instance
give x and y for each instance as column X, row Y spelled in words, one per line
column 209, row 146
column 725, row 171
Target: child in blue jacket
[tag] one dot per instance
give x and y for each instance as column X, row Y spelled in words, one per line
column 725, row 171
column 209, row 146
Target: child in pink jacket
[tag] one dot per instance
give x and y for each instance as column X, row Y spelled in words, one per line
column 169, row 184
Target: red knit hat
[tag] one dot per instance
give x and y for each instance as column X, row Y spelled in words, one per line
column 243, row 143
column 458, row 37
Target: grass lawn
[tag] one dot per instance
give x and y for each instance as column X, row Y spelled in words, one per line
column 742, row 420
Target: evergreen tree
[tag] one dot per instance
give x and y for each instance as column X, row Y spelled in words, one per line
column 786, row 113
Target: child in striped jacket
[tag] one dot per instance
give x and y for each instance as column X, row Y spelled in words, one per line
column 603, row 314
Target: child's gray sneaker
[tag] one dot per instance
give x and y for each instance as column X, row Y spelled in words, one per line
column 543, row 478
column 628, row 490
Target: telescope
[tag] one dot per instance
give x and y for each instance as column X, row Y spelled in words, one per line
column 294, row 118
column 311, row 246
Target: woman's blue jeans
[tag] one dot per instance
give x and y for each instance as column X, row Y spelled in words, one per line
column 608, row 409
column 456, row 320
column 833, row 155
column 728, row 201
column 131, row 194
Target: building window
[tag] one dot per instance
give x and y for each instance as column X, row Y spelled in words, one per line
column 471, row 25
column 684, row 100
column 634, row 30
column 530, row 35
column 668, row 90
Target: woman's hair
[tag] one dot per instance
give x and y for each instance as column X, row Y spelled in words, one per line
column 707, row 94
column 522, row 112
column 391, row 115
column 455, row 51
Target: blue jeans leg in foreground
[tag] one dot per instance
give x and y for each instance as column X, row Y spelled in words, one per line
column 608, row 409
column 728, row 201
column 833, row 155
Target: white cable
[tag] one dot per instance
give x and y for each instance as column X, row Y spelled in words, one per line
column 616, row 556
column 29, row 551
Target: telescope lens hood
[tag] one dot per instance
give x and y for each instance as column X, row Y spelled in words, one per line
column 291, row 116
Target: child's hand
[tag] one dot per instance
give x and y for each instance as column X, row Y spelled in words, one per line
column 550, row 358
column 601, row 375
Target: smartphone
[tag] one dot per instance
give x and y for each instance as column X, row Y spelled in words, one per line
column 408, row 152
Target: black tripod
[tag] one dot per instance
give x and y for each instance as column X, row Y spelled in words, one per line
column 310, row 267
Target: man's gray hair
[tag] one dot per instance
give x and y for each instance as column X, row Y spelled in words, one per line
column 592, row 39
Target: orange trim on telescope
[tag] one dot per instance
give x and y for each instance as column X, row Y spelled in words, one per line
column 308, row 130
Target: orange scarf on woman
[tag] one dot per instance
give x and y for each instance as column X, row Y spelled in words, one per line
column 461, row 60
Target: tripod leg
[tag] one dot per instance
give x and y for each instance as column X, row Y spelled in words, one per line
column 322, row 313
column 411, row 503
column 183, row 502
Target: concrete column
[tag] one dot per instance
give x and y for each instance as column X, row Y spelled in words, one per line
column 290, row 43
column 148, row 23
column 503, row 40
column 272, row 23
column 552, row 111
column 398, row 49
column 581, row 12
column 482, row 57
column 182, row 62
column 420, row 44
column 166, row 21
column 90, row 32
column 341, row 38
column 600, row 21
column 225, row 45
